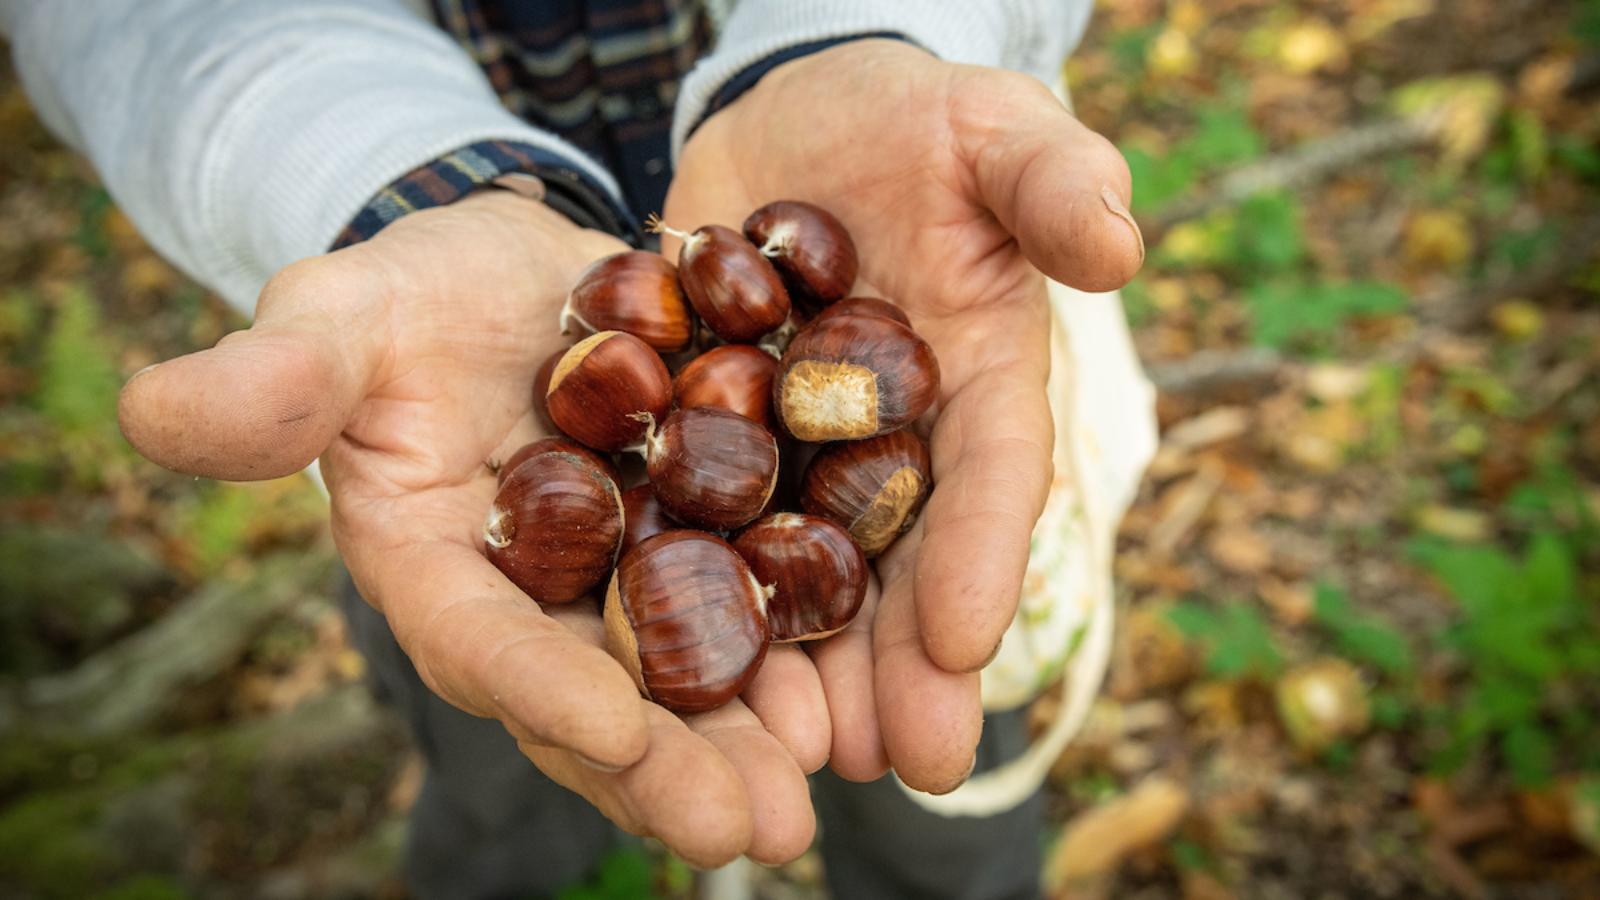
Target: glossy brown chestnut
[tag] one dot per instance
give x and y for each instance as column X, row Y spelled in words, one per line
column 735, row 377
column 852, row 377
column 711, row 468
column 817, row 573
column 556, row 445
column 601, row 387
column 874, row 488
column 541, row 387
column 733, row 288
column 555, row 527
column 865, row 306
column 636, row 292
column 642, row 516
column 686, row 618
column 809, row 248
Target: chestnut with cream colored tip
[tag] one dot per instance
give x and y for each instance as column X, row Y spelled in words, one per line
column 687, row 619
column 873, row 488
column 853, row 377
column 555, row 526
column 603, row 385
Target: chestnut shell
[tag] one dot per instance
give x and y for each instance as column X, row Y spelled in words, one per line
column 555, row 444
column 865, row 306
column 712, row 468
column 603, row 384
column 735, row 377
column 642, row 516
column 555, row 527
column 541, row 387
column 852, row 377
column 818, row 574
column 687, row 619
column 808, row 246
column 636, row 292
column 733, row 288
column 874, row 488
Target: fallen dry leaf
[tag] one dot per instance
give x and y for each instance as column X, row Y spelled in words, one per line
column 1182, row 505
column 1215, row 425
column 1096, row 841
column 1240, row 550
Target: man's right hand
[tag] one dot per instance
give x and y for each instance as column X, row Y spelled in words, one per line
column 406, row 364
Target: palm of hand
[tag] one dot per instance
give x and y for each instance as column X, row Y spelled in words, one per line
column 406, row 363
column 951, row 182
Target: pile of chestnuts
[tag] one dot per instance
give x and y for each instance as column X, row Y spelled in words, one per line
column 722, row 375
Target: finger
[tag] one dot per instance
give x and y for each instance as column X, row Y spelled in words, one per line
column 266, row 401
column 991, row 449
column 844, row 665
column 683, row 791
column 1060, row 189
column 482, row 645
column 782, row 820
column 930, row 718
column 787, row 697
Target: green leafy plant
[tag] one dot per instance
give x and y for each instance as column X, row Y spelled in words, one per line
column 631, row 873
column 1236, row 639
column 1530, row 645
column 1363, row 639
column 1222, row 136
column 1293, row 313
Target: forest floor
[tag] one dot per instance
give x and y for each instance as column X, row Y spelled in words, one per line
column 1358, row 644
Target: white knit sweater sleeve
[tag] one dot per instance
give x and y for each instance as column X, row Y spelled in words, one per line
column 1031, row 36
column 241, row 135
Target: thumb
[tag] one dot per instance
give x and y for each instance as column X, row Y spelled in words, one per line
column 264, row 402
column 1059, row 188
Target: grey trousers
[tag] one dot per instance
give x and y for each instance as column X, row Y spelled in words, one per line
column 487, row 824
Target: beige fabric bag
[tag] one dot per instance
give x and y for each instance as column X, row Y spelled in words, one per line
column 1105, row 436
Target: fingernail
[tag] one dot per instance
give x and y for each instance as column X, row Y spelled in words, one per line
column 143, row 370
column 1114, row 203
column 599, row 766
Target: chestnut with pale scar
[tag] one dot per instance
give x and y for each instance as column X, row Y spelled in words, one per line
column 602, row 383
column 853, row 377
column 874, row 488
column 687, row 619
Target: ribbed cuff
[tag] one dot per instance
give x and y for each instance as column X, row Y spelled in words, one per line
column 567, row 189
column 746, row 78
column 959, row 31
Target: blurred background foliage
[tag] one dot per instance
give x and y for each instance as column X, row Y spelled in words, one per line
column 1358, row 646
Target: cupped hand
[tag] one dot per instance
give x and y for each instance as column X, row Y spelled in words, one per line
column 406, row 364
column 960, row 186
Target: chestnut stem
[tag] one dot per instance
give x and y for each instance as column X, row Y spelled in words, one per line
column 778, row 239
column 654, row 224
column 568, row 317
column 764, row 593
column 651, row 444
column 499, row 528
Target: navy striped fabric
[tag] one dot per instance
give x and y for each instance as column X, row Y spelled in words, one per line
column 603, row 74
